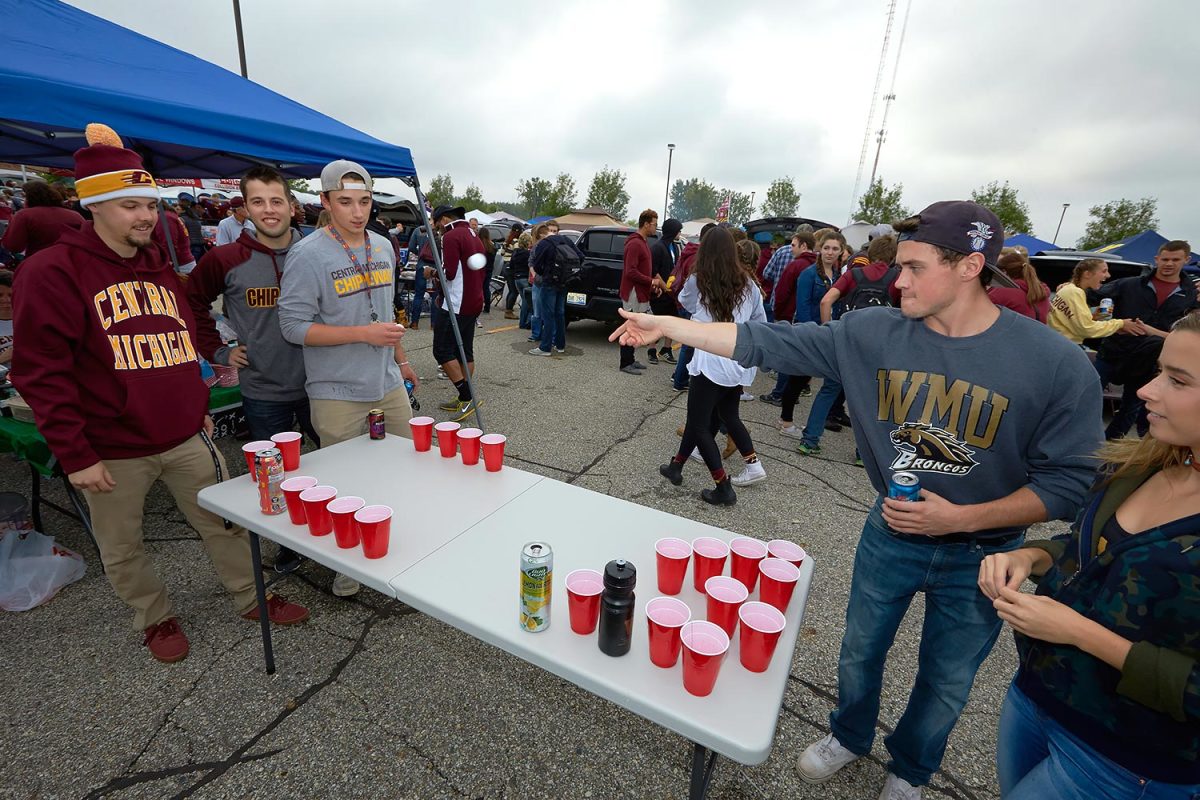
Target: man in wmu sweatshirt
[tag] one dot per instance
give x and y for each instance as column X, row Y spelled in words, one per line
column 946, row 387
column 109, row 367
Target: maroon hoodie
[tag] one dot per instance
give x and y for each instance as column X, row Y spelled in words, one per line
column 683, row 269
column 637, row 271
column 108, row 363
column 785, row 287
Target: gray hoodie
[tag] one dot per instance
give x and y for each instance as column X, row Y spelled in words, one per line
column 321, row 285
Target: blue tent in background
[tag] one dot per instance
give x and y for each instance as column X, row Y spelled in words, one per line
column 61, row 68
column 1141, row 247
column 1031, row 243
column 536, row 220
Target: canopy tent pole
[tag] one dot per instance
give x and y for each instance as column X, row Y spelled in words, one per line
column 415, row 183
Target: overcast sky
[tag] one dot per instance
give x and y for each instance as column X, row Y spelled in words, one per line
column 1072, row 101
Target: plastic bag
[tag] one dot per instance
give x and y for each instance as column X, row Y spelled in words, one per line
column 33, row 568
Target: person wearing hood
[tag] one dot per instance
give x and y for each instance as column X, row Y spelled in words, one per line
column 245, row 275
column 110, row 369
column 664, row 255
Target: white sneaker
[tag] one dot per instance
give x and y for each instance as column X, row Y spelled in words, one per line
column 746, row 396
column 753, row 473
column 899, row 789
column 537, row 351
column 792, row 432
column 345, row 586
column 822, row 759
column 695, row 455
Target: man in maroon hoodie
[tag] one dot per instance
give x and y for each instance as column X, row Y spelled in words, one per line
column 463, row 296
column 638, row 280
column 110, row 369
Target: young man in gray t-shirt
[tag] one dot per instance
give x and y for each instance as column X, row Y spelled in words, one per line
column 998, row 417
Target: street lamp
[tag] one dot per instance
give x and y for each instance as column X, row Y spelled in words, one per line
column 1060, row 221
column 667, row 193
column 751, row 203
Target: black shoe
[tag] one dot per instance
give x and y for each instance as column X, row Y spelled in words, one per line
column 721, row 495
column 771, row 398
column 667, row 355
column 672, row 471
column 651, row 356
column 843, row 420
column 287, row 560
column 638, row 365
column 830, row 425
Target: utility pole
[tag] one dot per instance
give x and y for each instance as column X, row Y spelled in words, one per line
column 1060, row 221
column 237, row 21
column 667, row 193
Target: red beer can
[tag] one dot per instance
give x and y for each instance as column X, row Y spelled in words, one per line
column 268, row 465
column 375, row 423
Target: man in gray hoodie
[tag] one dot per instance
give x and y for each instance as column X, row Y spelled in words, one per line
column 996, row 416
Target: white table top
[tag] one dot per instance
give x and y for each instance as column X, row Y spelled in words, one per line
column 435, row 500
column 586, row 529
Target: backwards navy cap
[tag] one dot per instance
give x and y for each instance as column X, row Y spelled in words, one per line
column 964, row 227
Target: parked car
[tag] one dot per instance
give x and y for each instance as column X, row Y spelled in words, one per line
column 765, row 229
column 1054, row 267
column 594, row 289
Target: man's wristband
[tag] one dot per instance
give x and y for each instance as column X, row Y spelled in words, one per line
column 402, row 363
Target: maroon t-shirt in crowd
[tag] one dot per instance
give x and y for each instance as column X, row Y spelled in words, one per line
column 33, row 229
column 874, row 271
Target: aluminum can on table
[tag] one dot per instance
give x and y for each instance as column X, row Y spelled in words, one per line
column 904, row 486
column 375, row 426
column 537, row 576
column 268, row 465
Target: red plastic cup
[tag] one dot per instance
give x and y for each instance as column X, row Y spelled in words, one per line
column 288, row 443
column 375, row 527
column 468, row 445
column 422, row 433
column 665, row 617
column 725, row 597
column 315, row 500
column 249, row 449
column 292, row 487
column 788, row 551
column 345, row 529
column 493, row 450
column 704, row 648
column 709, row 560
column 584, row 587
column 447, row 433
column 776, row 582
column 672, row 555
column 761, row 626
column 744, row 555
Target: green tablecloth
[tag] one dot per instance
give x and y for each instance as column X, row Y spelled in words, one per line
column 23, row 440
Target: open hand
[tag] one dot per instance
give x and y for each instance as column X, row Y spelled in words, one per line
column 638, row 330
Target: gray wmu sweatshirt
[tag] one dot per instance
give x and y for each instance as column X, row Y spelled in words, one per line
column 976, row 418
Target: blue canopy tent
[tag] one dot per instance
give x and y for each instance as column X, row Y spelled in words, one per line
column 187, row 118
column 1031, row 243
column 1141, row 247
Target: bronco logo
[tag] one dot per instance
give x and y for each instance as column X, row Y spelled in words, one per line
column 923, row 448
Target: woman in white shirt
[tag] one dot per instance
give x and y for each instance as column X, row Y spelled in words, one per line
column 718, row 290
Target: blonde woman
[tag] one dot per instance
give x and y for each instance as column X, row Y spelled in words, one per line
column 1069, row 311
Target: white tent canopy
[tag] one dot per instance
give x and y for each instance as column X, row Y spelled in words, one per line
column 483, row 218
column 691, row 228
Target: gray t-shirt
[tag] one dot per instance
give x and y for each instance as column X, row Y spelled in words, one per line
column 320, row 284
column 976, row 417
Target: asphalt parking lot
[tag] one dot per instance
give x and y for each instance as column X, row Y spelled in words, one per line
column 374, row 700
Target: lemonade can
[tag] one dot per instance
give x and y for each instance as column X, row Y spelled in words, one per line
column 537, row 573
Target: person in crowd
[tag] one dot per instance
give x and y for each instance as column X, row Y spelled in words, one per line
column 245, row 275
column 6, row 317
column 15, row 199
column 944, row 388
column 812, row 283
column 784, row 302
column 1069, row 311
column 416, row 245
column 6, row 208
column 687, row 259
column 774, row 267
column 540, row 232
column 664, row 255
column 193, row 222
column 108, row 366
column 556, row 256
column 335, row 300
column 179, row 251
column 748, row 253
column 42, row 220
column 1030, row 296
column 1106, row 701
column 518, row 272
column 231, row 227
column 462, row 300
column 324, row 220
column 511, row 275
column 637, row 280
column 297, row 211
column 489, row 252
column 1157, row 300
column 474, row 223
column 719, row 290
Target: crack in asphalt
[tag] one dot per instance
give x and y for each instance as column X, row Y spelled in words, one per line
column 149, row 776
column 672, row 404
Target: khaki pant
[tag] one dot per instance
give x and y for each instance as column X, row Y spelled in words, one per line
column 339, row 420
column 117, row 520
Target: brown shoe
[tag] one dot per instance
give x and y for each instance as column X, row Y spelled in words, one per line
column 679, row 431
column 166, row 641
column 279, row 611
column 730, row 448
column 511, row 315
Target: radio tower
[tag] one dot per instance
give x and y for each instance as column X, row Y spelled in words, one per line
column 891, row 95
column 862, row 158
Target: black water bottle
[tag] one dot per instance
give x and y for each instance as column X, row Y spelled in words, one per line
column 616, row 608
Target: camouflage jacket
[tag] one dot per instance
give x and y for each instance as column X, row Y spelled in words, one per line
column 1145, row 588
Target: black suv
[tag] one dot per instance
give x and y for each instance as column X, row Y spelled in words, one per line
column 594, row 289
column 762, row 230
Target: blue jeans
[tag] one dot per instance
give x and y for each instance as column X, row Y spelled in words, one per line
column 418, row 298
column 265, row 418
column 822, row 403
column 1038, row 759
column 958, row 632
column 535, row 331
column 681, row 378
column 553, row 314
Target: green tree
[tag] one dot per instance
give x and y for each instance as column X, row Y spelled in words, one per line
column 608, row 192
column 782, row 198
column 299, row 185
column 1002, row 200
column 881, row 204
column 1118, row 220
column 693, row 198
column 472, row 198
column 562, row 196
column 441, row 191
column 740, row 208
column 534, row 194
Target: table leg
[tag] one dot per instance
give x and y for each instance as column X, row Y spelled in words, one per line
column 703, row 762
column 260, row 591
column 35, row 494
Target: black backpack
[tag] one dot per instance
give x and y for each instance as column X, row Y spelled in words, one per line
column 566, row 261
column 871, row 294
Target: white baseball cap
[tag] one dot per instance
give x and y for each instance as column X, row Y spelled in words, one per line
column 334, row 171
